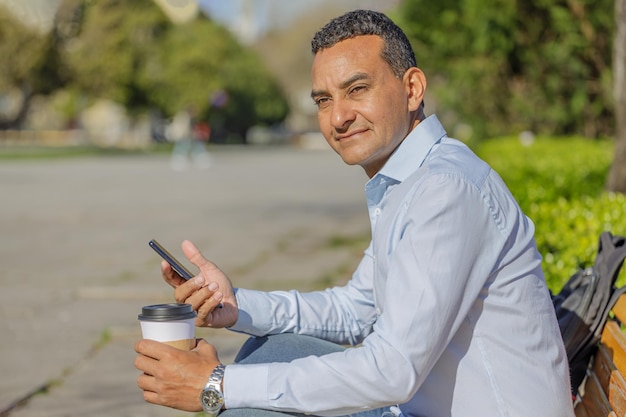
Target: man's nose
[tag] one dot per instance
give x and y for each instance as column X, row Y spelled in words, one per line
column 342, row 114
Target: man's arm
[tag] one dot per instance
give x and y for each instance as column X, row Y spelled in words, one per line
column 343, row 315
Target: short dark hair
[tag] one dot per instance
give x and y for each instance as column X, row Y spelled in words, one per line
column 397, row 50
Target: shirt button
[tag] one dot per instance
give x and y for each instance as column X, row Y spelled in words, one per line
column 377, row 211
column 378, row 312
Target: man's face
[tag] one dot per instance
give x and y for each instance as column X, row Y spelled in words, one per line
column 364, row 111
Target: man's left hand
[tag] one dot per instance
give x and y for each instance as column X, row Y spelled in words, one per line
column 173, row 377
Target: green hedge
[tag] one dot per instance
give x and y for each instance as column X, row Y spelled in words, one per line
column 559, row 183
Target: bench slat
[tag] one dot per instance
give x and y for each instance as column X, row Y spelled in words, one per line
column 594, row 399
column 617, row 393
column 581, row 410
column 604, row 390
column 603, row 366
column 614, row 339
column 611, row 381
column 619, row 309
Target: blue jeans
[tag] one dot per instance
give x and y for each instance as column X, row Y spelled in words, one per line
column 285, row 348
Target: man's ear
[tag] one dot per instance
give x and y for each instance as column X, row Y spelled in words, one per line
column 415, row 84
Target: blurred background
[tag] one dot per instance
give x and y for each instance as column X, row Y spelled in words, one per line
column 77, row 66
column 114, row 73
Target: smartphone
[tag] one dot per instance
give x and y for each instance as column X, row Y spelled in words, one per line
column 175, row 263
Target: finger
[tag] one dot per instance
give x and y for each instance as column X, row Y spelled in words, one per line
column 144, row 364
column 190, row 291
column 152, row 349
column 151, row 397
column 195, row 257
column 206, row 310
column 204, row 347
column 203, row 300
column 194, row 297
column 146, row 383
column 200, row 343
column 170, row 276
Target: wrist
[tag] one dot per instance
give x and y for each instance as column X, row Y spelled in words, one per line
column 211, row 397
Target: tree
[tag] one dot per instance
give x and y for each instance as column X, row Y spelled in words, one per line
column 254, row 95
column 617, row 176
column 201, row 60
column 112, row 52
column 505, row 66
column 32, row 65
column 131, row 53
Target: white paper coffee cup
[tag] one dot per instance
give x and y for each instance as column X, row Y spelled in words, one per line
column 169, row 323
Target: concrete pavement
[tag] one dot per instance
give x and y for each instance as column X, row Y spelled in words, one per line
column 76, row 267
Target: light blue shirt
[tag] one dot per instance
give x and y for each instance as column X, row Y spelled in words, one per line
column 449, row 306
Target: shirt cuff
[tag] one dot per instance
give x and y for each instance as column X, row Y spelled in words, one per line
column 244, row 322
column 245, row 386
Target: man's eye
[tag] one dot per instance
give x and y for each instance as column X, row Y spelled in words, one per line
column 321, row 101
column 357, row 89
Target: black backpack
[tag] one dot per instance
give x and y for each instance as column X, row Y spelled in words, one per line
column 583, row 304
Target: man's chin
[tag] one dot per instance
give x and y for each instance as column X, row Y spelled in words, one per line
column 350, row 159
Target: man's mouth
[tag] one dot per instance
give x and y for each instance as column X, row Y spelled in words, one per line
column 349, row 135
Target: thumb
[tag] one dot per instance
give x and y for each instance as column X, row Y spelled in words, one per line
column 205, row 349
column 201, row 344
column 192, row 253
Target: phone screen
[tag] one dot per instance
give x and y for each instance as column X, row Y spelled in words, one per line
column 175, row 263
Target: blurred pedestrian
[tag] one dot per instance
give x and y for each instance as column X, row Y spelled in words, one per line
column 190, row 138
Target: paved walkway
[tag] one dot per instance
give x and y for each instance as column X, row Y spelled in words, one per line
column 76, row 267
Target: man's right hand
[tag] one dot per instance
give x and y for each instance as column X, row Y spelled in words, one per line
column 204, row 292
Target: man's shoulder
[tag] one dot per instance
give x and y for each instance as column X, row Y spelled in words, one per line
column 453, row 157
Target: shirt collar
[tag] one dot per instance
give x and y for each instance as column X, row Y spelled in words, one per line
column 410, row 154
column 404, row 161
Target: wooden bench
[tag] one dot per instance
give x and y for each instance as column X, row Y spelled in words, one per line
column 603, row 393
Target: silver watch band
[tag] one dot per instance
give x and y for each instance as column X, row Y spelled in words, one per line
column 215, row 380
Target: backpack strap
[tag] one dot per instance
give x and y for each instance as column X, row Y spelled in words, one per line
column 611, row 254
column 609, row 261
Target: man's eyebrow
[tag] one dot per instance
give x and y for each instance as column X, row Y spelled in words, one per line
column 359, row 76
column 345, row 84
column 317, row 93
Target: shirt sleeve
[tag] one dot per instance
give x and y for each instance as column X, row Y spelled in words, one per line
column 343, row 315
column 448, row 243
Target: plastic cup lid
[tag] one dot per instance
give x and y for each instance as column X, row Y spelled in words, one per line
column 167, row 312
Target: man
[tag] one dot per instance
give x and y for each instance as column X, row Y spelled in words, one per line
column 448, row 312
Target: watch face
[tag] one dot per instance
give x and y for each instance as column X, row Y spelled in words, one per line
column 212, row 400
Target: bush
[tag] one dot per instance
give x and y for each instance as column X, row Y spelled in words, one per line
column 568, row 231
column 559, row 184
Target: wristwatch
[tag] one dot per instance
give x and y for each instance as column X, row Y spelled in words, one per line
column 211, row 397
